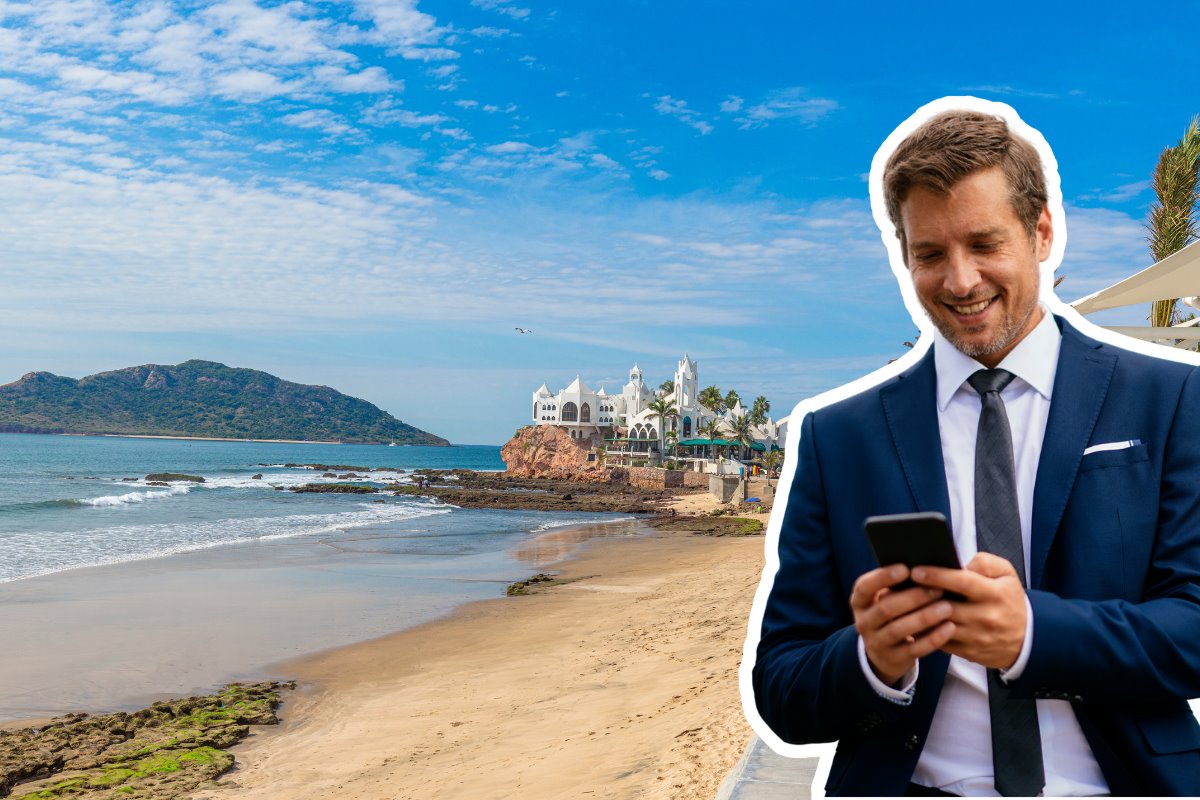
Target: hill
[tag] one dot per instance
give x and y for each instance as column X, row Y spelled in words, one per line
column 197, row 398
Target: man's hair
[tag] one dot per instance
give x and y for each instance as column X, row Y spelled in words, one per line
column 951, row 146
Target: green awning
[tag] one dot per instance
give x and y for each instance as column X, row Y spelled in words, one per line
column 759, row 446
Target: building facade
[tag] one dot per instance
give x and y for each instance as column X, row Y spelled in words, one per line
column 627, row 420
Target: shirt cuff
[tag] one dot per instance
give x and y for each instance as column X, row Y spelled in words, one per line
column 1018, row 667
column 908, row 682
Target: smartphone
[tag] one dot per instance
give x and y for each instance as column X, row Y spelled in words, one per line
column 921, row 539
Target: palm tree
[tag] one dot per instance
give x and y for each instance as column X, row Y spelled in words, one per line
column 710, row 398
column 762, row 407
column 662, row 409
column 772, row 461
column 1173, row 222
column 742, row 431
column 710, row 430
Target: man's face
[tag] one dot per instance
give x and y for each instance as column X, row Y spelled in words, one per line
column 974, row 267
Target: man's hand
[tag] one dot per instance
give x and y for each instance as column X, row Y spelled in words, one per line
column 898, row 627
column 989, row 628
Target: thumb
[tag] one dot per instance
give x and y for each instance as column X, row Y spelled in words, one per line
column 990, row 565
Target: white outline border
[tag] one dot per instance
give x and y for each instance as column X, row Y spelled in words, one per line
column 824, row 751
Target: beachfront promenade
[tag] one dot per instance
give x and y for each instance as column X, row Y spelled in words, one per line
column 761, row 774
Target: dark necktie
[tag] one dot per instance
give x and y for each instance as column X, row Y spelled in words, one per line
column 1016, row 738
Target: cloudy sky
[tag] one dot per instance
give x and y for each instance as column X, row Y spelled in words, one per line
column 372, row 194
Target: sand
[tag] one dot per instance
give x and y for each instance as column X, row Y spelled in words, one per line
column 621, row 683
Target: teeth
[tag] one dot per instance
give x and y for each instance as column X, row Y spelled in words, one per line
column 974, row 309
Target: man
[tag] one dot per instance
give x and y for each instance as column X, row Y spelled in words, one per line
column 1067, row 665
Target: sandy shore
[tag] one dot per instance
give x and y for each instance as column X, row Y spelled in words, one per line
column 621, row 683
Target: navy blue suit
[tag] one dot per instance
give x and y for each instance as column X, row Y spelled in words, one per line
column 1114, row 571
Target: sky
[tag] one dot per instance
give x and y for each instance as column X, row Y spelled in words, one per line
column 373, row 194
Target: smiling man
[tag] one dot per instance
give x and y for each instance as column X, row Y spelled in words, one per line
column 1069, row 470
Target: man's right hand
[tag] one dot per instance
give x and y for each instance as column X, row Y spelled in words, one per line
column 898, row 627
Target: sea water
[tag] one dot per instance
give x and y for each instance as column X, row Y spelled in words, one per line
column 77, row 501
column 115, row 592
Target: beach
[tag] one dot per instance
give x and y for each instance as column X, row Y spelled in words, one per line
column 617, row 678
column 620, row 682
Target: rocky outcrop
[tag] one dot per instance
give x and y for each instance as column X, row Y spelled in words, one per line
column 164, row 751
column 546, row 451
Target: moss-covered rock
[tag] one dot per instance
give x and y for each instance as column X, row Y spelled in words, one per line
column 164, row 751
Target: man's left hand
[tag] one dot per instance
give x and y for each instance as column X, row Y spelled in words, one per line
column 990, row 624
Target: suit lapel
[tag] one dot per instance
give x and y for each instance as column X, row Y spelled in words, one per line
column 1084, row 372
column 910, row 408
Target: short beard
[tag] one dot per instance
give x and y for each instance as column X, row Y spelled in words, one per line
column 1008, row 332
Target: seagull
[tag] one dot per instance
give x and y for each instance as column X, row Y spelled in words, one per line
column 523, row 330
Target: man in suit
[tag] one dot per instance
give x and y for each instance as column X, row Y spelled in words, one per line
column 1069, row 469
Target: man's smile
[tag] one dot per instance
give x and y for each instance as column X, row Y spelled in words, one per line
column 971, row 309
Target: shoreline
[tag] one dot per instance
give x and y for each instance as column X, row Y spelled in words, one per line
column 638, row 641
column 619, row 680
column 120, row 636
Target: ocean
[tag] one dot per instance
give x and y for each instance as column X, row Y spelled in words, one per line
column 114, row 592
column 68, row 502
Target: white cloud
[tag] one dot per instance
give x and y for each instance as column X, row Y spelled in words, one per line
column 659, row 174
column 669, row 106
column 249, row 84
column 142, row 85
column 485, row 32
column 504, row 7
column 734, row 103
column 387, row 112
column 372, row 80
column 792, row 103
column 507, row 148
column 318, row 119
column 75, row 137
column 1119, row 194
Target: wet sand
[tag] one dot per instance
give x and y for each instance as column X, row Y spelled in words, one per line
column 621, row 683
column 118, row 637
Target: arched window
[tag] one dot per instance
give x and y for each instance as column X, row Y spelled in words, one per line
column 569, row 412
column 687, row 426
column 585, row 413
column 535, row 409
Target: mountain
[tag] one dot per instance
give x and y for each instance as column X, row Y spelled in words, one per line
column 197, row 398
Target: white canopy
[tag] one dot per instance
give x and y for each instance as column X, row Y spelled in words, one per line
column 1177, row 275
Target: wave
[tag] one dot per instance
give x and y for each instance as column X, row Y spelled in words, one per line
column 103, row 501
column 124, row 543
column 129, row 498
column 583, row 520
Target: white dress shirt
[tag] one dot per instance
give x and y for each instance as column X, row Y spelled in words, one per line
column 957, row 756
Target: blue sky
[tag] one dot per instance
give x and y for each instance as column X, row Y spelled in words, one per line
column 371, row 195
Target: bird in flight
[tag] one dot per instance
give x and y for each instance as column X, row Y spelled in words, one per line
column 523, row 330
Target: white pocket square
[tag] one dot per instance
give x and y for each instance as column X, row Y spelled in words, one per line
column 1098, row 448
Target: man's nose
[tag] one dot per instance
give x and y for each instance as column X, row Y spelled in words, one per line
column 961, row 275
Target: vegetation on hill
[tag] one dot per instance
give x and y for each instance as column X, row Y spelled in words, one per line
column 197, row 398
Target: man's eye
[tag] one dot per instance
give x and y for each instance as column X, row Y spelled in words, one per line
column 928, row 256
column 986, row 247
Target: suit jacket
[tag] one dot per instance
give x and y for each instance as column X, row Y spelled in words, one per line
column 1114, row 571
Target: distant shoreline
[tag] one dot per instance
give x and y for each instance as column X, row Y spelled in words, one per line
column 207, row 438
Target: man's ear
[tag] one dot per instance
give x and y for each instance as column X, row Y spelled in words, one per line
column 1043, row 235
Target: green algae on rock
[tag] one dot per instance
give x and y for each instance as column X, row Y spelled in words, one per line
column 160, row 752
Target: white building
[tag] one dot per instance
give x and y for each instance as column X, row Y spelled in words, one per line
column 627, row 421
